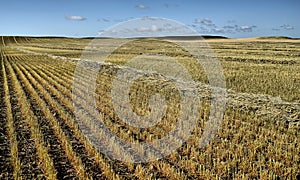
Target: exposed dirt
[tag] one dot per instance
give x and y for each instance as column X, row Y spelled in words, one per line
column 62, row 165
column 26, row 147
column 5, row 164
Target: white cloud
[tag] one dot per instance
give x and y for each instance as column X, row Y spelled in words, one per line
column 141, row 6
column 231, row 21
column 218, row 30
column 100, row 32
column 147, row 18
column 245, row 28
column 287, row 27
column 207, row 26
column 75, row 18
column 205, row 22
column 229, row 27
column 152, row 28
column 105, row 20
column 167, row 5
column 276, row 29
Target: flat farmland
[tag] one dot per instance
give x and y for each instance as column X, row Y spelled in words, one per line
column 258, row 136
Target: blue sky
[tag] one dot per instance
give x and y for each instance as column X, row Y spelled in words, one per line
column 79, row 18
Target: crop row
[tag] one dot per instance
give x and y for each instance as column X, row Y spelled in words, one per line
column 262, row 134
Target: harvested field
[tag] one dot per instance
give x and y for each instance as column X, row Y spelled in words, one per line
column 258, row 136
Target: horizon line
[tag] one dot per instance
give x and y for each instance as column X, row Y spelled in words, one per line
column 181, row 36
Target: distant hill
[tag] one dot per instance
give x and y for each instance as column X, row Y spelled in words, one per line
column 193, row 37
column 171, row 37
column 277, row 37
column 14, row 39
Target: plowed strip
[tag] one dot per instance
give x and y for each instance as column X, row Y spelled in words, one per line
column 8, row 146
column 31, row 122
